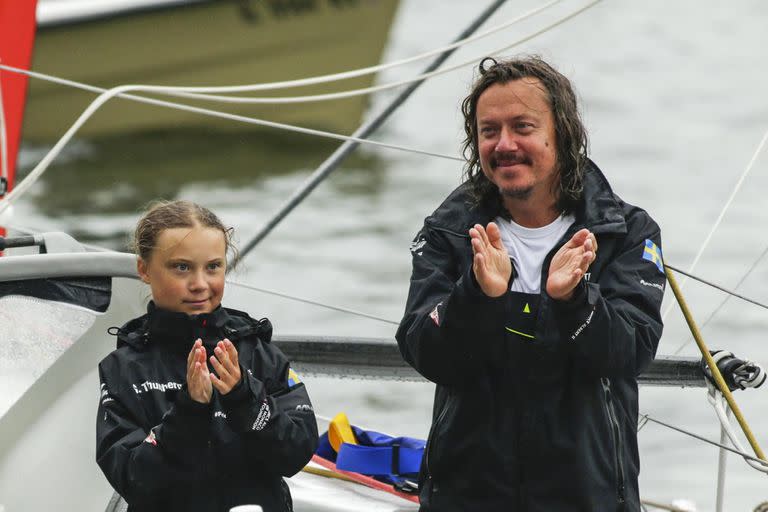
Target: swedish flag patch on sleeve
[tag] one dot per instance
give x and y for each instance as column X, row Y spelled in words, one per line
column 652, row 253
column 293, row 379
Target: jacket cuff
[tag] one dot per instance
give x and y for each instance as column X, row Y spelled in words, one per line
column 184, row 429
column 578, row 300
column 471, row 307
column 237, row 394
column 575, row 314
column 190, row 407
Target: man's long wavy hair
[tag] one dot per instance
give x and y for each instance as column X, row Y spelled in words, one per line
column 571, row 141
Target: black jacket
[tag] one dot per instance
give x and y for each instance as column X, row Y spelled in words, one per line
column 162, row 451
column 536, row 400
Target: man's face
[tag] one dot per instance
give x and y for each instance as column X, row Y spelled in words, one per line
column 516, row 139
column 186, row 269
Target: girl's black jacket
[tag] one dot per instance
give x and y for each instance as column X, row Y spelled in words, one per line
column 536, row 404
column 163, row 451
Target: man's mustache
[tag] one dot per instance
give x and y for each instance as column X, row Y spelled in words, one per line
column 509, row 159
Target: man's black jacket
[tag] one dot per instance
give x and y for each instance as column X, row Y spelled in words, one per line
column 536, row 400
column 162, row 451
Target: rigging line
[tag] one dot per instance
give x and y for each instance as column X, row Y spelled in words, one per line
column 315, row 303
column 717, row 286
column 119, row 91
column 201, row 94
column 372, row 89
column 719, row 219
column 365, row 71
column 709, row 441
column 726, row 299
column 334, row 160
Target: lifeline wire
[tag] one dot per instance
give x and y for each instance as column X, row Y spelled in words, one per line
column 718, row 287
column 702, row 438
column 315, row 303
column 719, row 219
column 726, row 299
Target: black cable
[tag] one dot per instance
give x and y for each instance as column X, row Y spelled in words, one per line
column 709, row 441
column 713, row 285
column 366, row 129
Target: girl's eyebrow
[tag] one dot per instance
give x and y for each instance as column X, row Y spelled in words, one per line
column 179, row 260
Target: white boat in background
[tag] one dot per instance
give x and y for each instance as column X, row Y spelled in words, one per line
column 200, row 43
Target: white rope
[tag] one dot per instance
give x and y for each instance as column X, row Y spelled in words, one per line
column 722, row 459
column 201, row 95
column 718, row 402
column 364, row 71
column 206, row 93
column 719, row 219
column 120, row 91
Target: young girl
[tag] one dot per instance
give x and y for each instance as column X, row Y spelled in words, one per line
column 198, row 410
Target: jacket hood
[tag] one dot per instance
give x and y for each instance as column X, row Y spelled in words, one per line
column 181, row 330
column 599, row 208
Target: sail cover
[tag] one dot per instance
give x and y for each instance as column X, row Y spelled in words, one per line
column 39, row 320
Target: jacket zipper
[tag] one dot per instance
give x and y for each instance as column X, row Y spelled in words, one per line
column 432, row 440
column 615, row 431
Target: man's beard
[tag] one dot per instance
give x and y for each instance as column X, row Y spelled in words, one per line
column 520, row 193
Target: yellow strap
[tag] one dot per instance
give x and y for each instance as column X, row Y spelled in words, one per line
column 722, row 386
column 339, row 431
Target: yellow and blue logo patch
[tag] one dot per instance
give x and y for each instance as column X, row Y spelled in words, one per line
column 652, row 253
column 293, row 379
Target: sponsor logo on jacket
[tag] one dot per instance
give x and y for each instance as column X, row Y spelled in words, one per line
column 263, row 417
column 156, row 386
column 583, row 326
column 658, row 286
column 417, row 246
column 105, row 398
column 435, row 315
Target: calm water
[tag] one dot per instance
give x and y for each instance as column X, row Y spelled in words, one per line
column 674, row 97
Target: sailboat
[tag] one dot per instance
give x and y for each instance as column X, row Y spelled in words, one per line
column 53, row 415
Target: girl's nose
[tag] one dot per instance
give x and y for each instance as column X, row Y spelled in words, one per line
column 197, row 282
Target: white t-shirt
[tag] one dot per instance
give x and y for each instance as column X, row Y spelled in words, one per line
column 528, row 247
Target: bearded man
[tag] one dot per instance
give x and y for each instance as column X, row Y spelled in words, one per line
column 533, row 305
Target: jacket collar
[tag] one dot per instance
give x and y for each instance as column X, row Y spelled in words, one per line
column 599, row 209
column 179, row 330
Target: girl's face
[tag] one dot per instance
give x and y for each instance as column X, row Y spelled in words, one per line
column 186, row 269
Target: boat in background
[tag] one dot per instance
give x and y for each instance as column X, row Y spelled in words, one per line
column 200, row 43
